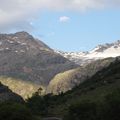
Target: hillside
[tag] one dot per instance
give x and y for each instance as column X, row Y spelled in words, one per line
column 67, row 80
column 7, row 95
column 94, row 89
column 26, row 64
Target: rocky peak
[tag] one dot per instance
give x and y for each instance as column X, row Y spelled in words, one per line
column 21, row 42
column 23, row 34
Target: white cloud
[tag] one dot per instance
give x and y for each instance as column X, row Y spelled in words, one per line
column 18, row 13
column 64, row 19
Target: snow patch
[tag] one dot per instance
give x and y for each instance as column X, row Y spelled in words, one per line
column 100, row 52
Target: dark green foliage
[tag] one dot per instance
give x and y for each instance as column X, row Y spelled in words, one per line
column 109, row 109
column 14, row 111
column 93, row 89
column 94, row 99
column 82, row 111
column 40, row 105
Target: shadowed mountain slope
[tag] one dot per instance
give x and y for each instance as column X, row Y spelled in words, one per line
column 7, row 95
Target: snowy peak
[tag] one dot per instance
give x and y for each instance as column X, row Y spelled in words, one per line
column 67, row 54
column 107, row 50
column 99, row 52
column 102, row 48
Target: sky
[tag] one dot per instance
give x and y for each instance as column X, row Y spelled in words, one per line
column 67, row 25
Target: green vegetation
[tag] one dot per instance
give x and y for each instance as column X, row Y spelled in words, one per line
column 15, row 111
column 105, row 110
column 97, row 98
column 94, row 92
column 83, row 111
column 40, row 105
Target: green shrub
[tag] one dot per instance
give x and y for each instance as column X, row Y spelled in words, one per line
column 14, row 112
column 82, row 111
column 37, row 104
column 111, row 106
column 107, row 109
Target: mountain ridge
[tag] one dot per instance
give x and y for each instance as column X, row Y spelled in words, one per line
column 67, row 80
column 99, row 52
column 26, row 62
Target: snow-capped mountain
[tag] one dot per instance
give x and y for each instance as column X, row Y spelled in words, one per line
column 99, row 52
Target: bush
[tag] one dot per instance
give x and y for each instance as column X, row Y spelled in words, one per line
column 108, row 109
column 111, row 109
column 37, row 104
column 14, row 111
column 82, row 111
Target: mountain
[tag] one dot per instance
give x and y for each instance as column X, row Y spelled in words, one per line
column 7, row 95
column 99, row 52
column 93, row 89
column 26, row 64
column 90, row 63
column 103, row 84
column 67, row 80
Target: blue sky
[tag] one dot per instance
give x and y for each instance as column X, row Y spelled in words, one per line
column 68, row 25
column 82, row 32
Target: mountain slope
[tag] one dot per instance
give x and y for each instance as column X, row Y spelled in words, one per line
column 7, row 95
column 67, row 80
column 26, row 64
column 95, row 88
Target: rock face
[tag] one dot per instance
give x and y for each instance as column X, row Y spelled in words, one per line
column 26, row 64
column 67, row 80
column 7, row 95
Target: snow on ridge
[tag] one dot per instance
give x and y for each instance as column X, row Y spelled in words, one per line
column 99, row 52
column 112, row 51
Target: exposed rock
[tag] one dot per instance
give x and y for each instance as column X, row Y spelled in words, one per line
column 27, row 63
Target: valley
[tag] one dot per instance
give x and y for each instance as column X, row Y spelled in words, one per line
column 59, row 59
